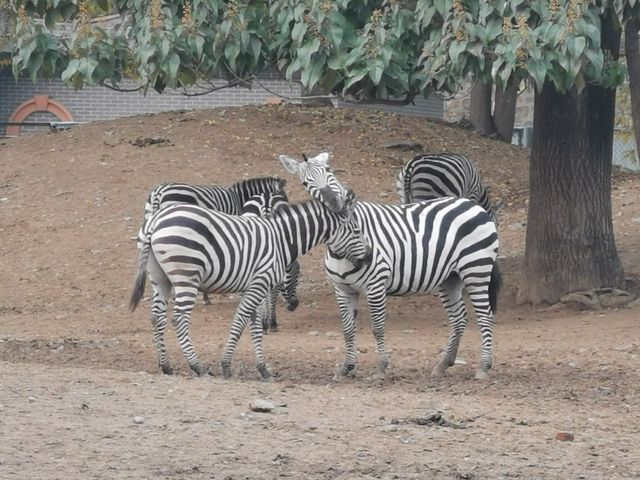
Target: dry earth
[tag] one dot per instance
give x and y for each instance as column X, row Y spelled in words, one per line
column 80, row 395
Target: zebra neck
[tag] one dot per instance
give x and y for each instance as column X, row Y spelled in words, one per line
column 302, row 226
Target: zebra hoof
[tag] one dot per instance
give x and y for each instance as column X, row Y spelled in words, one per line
column 482, row 374
column 265, row 374
column 274, row 329
column 166, row 369
column 226, row 371
column 439, row 370
column 347, row 370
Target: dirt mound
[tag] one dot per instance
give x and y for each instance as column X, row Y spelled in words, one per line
column 80, row 390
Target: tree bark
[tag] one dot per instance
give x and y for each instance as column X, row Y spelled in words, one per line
column 504, row 111
column 570, row 243
column 632, row 52
column 480, row 108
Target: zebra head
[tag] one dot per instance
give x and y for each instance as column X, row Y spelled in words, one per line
column 347, row 241
column 318, row 179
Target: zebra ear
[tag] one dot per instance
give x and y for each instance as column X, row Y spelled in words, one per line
column 322, row 158
column 290, row 165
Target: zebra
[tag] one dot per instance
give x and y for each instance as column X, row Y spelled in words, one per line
column 431, row 176
column 229, row 200
column 447, row 244
column 223, row 199
column 264, row 205
column 188, row 248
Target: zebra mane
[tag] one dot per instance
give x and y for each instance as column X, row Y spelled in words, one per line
column 249, row 187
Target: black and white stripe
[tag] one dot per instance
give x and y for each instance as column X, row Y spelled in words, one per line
column 265, row 205
column 448, row 244
column 188, row 248
column 229, row 199
column 431, row 176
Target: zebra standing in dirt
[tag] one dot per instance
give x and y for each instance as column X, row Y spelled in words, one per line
column 231, row 200
column 448, row 244
column 431, row 176
column 188, row 248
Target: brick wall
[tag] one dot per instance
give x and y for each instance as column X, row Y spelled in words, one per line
column 98, row 103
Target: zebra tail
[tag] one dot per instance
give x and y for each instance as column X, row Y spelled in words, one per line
column 141, row 279
column 494, row 287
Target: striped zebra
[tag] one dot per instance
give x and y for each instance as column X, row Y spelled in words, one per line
column 231, row 200
column 223, row 199
column 447, row 244
column 188, row 248
column 265, row 205
column 431, row 176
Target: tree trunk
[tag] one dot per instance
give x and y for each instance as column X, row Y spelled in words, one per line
column 632, row 52
column 480, row 108
column 504, row 111
column 570, row 243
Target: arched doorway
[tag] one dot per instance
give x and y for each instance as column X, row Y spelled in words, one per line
column 39, row 103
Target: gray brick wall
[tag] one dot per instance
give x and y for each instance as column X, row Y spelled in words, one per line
column 99, row 103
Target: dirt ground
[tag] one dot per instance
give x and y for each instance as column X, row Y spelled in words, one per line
column 80, row 394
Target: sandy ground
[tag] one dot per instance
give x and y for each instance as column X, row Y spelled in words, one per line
column 80, row 394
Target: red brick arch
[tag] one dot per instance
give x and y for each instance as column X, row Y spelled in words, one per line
column 39, row 103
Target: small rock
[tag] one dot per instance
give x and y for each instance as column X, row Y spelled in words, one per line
column 32, row 399
column 564, row 436
column 138, row 420
column 331, row 334
column 460, row 361
column 516, row 226
column 390, row 428
column 262, row 406
column 314, row 333
column 636, row 220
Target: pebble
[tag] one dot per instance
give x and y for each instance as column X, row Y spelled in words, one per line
column 138, row 420
column 260, row 405
column 314, row 333
column 564, row 436
column 331, row 334
column 32, row 399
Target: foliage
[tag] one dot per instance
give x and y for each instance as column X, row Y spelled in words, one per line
column 362, row 49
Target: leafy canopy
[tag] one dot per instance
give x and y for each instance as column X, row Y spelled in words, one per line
column 362, row 49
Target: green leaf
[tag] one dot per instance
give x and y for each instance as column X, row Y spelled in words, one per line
column 376, row 70
column 71, row 69
column 174, row 65
column 455, row 49
column 538, row 72
column 297, row 34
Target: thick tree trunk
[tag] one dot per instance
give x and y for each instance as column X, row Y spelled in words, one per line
column 504, row 111
column 480, row 108
column 632, row 52
column 570, row 243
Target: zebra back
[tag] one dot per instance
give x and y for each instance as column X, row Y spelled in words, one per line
column 223, row 199
column 431, row 176
column 245, row 189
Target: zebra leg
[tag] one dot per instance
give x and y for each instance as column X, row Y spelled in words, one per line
column 479, row 296
column 159, row 322
column 272, row 301
column 184, row 301
column 348, row 306
column 451, row 297
column 256, row 339
column 377, row 300
column 205, row 298
column 245, row 313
